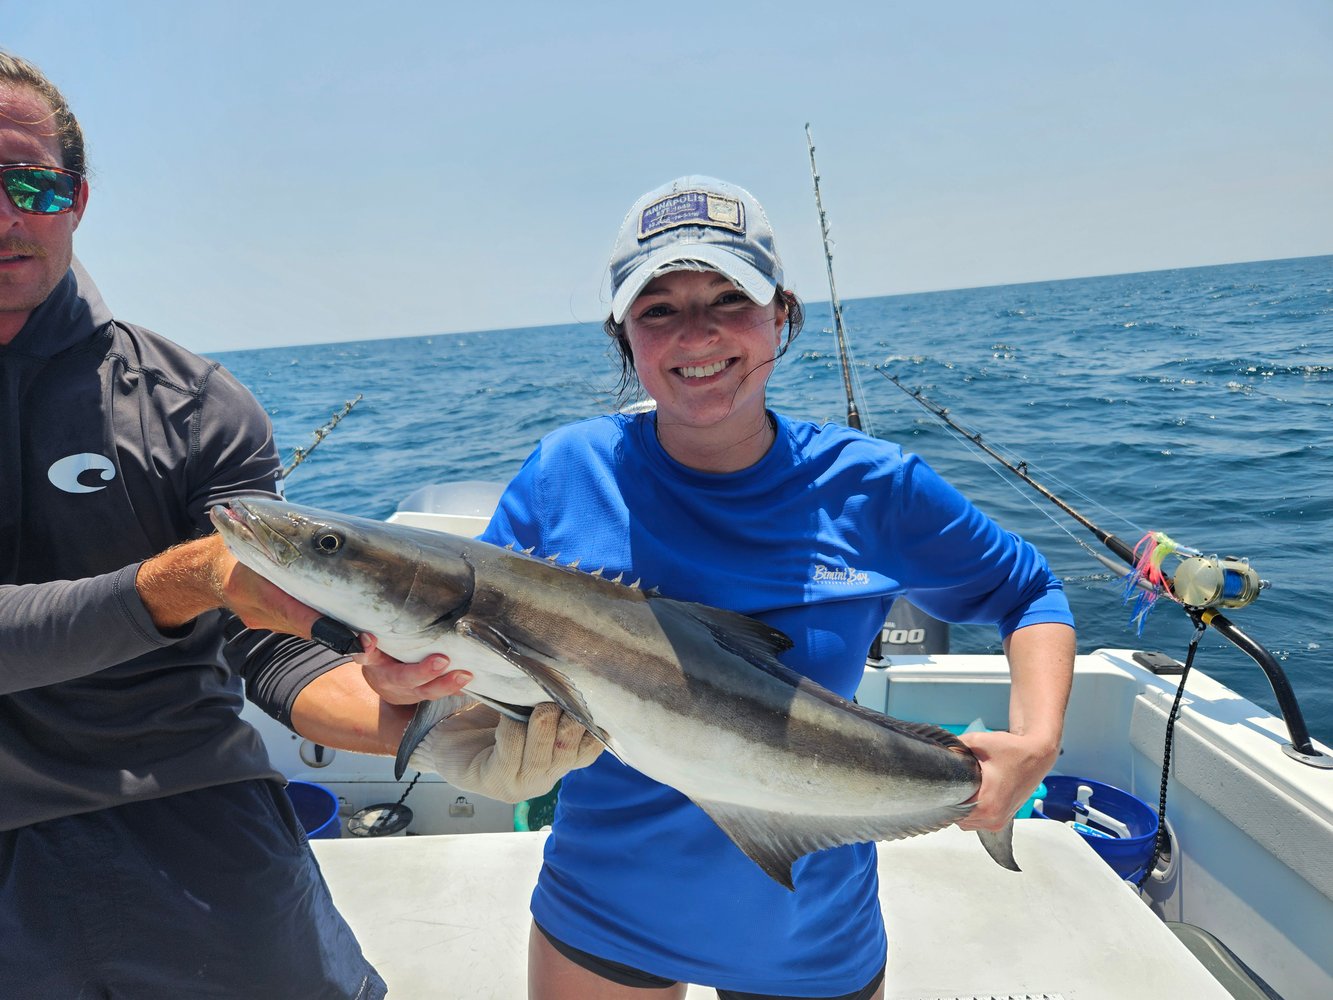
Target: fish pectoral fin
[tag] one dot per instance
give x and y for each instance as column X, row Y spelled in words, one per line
column 428, row 713
column 774, row 840
column 519, row 713
column 543, row 669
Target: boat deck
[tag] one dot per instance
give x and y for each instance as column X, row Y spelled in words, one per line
column 446, row 918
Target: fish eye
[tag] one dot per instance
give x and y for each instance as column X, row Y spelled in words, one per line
column 328, row 543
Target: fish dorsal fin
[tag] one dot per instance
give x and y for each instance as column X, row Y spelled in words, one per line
column 924, row 731
column 774, row 840
column 747, row 637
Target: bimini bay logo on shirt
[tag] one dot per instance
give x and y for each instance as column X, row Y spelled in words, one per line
column 839, row 575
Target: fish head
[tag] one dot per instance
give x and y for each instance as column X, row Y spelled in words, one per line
column 369, row 575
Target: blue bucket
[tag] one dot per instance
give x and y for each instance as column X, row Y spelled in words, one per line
column 1128, row 856
column 317, row 809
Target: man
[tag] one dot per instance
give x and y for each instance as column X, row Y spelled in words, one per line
column 147, row 849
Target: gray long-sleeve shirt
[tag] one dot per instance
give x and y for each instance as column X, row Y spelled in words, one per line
column 114, row 444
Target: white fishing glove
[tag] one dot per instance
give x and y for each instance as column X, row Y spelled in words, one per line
column 479, row 750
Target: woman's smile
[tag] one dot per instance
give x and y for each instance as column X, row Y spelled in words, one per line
column 703, row 371
column 703, row 350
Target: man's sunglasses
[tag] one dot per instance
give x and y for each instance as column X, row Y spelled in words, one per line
column 40, row 190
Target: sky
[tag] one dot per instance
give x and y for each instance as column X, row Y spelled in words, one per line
column 276, row 173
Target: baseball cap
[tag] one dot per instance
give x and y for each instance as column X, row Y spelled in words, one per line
column 699, row 219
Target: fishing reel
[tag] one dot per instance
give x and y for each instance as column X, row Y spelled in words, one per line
column 1203, row 582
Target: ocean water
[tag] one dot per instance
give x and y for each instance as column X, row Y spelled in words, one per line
column 1197, row 402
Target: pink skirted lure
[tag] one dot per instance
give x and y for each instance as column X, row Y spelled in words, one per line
column 1151, row 552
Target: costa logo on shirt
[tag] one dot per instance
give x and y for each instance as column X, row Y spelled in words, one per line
column 71, row 473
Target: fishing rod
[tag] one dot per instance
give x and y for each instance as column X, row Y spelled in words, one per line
column 1116, row 545
column 1201, row 584
column 301, row 454
column 853, row 414
column 907, row 629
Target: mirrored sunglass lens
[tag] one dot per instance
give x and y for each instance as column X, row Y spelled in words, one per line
column 42, row 191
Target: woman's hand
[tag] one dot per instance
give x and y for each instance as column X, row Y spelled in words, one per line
column 1011, row 768
column 1013, row 763
column 400, row 683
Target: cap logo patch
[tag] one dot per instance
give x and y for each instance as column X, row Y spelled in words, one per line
column 692, row 208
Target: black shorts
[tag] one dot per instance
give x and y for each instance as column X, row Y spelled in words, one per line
column 206, row 894
column 627, row 975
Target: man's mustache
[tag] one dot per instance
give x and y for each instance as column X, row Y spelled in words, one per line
column 11, row 247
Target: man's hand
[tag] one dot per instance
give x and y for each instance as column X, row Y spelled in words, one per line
column 401, row 683
column 479, row 750
column 260, row 604
column 367, row 704
column 186, row 580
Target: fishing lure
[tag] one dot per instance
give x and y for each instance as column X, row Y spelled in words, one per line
column 1152, row 550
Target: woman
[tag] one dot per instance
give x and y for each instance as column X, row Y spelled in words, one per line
column 714, row 498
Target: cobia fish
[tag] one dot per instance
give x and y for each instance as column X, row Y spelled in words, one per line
column 690, row 695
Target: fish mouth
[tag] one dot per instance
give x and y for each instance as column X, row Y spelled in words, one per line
column 236, row 521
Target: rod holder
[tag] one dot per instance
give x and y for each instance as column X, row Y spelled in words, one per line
column 1300, row 748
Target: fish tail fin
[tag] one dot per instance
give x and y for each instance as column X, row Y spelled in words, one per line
column 999, row 845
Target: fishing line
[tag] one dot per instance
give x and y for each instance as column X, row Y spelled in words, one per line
column 1201, row 584
column 1014, row 460
column 1008, row 481
column 1118, row 571
column 972, row 441
column 792, row 305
